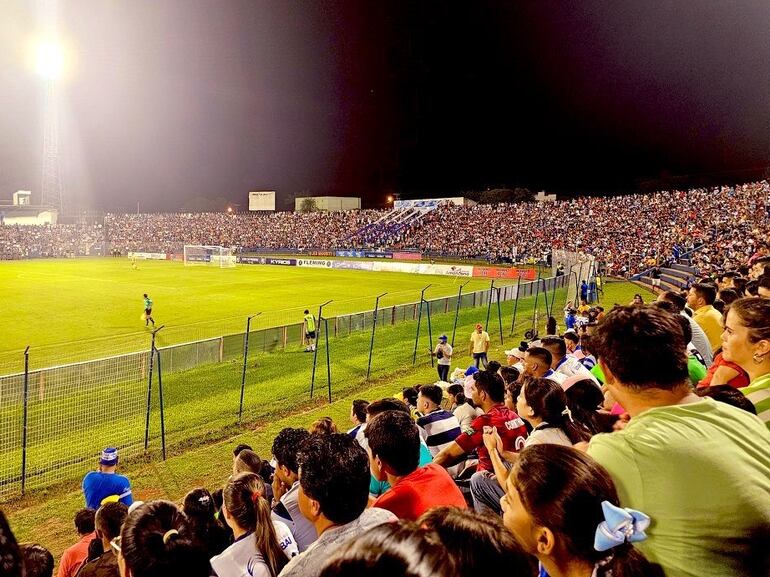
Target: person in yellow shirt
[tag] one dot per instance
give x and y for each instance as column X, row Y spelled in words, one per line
column 701, row 299
column 479, row 346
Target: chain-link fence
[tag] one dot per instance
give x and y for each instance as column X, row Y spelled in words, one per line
column 54, row 420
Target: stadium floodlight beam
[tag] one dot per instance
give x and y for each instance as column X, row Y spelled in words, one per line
column 50, row 61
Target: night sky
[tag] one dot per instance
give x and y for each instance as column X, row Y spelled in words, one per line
column 189, row 103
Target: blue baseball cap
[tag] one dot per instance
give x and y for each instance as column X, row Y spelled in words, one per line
column 471, row 370
column 442, row 338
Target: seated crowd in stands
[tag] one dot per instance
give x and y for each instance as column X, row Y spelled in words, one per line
column 628, row 233
column 539, row 467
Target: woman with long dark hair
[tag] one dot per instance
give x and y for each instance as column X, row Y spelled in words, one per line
column 562, row 507
column 156, row 541
column 256, row 551
column 198, row 506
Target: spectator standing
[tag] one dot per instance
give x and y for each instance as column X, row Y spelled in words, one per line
column 443, row 354
column 109, row 520
column 704, row 525
column 105, row 484
column 334, row 492
column 479, row 346
column 286, row 446
column 73, row 556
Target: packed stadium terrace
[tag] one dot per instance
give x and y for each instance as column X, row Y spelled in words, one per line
column 633, row 467
column 626, row 232
column 615, row 449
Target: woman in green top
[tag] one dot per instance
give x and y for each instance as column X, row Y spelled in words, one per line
column 746, row 342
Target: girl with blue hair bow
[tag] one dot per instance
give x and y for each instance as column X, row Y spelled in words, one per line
column 563, row 508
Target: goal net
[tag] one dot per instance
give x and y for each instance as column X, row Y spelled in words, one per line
column 201, row 255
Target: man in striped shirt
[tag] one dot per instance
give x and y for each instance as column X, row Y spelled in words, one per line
column 438, row 427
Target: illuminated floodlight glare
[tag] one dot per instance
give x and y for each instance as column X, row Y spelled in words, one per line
column 50, row 61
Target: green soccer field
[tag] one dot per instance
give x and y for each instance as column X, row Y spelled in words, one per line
column 68, row 310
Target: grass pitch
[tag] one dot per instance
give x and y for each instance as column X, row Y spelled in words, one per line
column 68, row 310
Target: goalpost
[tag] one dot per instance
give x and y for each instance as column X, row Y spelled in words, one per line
column 202, row 255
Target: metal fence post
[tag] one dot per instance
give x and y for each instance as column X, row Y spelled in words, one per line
column 516, row 304
column 430, row 332
column 25, row 423
column 499, row 316
column 419, row 322
column 245, row 360
column 534, row 308
column 149, row 390
column 315, row 351
column 162, row 415
column 489, row 304
column 328, row 360
column 457, row 310
column 374, row 328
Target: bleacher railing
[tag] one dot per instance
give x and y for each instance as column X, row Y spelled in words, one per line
column 55, row 417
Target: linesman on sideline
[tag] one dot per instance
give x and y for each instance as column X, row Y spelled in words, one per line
column 310, row 326
column 148, row 311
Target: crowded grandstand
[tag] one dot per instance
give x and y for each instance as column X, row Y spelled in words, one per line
column 637, row 443
column 629, row 233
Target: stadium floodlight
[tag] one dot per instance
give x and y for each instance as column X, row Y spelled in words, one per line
column 50, row 60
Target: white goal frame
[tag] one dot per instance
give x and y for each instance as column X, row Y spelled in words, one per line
column 206, row 255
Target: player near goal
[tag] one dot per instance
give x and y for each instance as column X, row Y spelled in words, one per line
column 310, row 327
column 148, row 311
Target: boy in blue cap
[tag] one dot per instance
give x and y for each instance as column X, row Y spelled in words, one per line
column 105, row 485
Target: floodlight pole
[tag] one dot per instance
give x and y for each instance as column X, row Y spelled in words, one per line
column 149, row 389
column 25, row 423
column 419, row 322
column 374, row 327
column 315, row 352
column 457, row 310
column 245, row 360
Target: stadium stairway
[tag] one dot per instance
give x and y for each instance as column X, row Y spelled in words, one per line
column 672, row 278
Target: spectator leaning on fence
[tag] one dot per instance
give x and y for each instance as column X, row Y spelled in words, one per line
column 105, row 485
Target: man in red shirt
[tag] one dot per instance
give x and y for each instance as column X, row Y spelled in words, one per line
column 73, row 557
column 394, row 455
column 487, row 392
